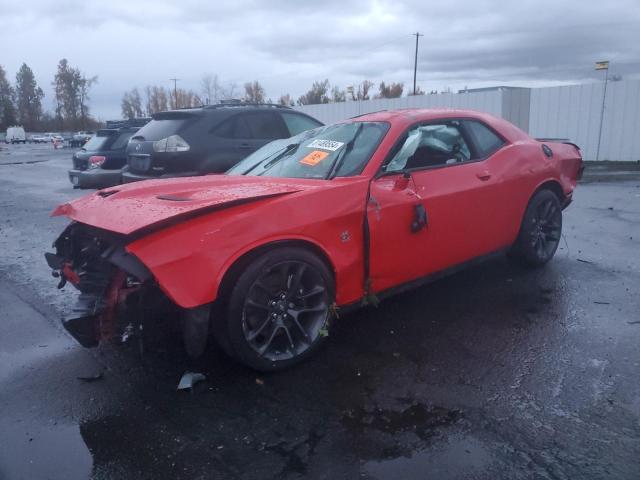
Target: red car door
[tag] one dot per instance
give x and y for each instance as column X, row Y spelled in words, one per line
column 433, row 208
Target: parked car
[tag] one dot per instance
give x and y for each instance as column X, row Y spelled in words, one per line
column 50, row 137
column 39, row 138
column 264, row 256
column 80, row 138
column 99, row 162
column 15, row 134
column 210, row 139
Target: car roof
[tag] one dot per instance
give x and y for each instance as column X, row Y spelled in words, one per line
column 405, row 117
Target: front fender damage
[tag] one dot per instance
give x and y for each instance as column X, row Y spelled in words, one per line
column 111, row 282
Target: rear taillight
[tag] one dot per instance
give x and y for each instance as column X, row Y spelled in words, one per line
column 96, row 160
column 174, row 143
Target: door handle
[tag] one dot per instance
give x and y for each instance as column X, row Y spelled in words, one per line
column 244, row 146
column 484, row 176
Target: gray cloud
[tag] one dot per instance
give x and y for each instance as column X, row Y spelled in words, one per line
column 286, row 44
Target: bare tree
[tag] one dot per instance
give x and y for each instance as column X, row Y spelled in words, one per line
column 254, row 92
column 211, row 89
column 316, row 94
column 363, row 91
column 131, row 104
column 286, row 100
column 84, row 85
column 393, row 90
column 157, row 99
column 338, row 95
column 229, row 92
column 185, row 99
column 71, row 89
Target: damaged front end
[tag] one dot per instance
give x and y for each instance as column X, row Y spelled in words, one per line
column 116, row 289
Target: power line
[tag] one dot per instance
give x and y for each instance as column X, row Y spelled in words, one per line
column 415, row 62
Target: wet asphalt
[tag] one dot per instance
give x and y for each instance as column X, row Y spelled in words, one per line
column 494, row 372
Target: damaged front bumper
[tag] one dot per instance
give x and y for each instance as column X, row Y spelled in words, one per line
column 114, row 285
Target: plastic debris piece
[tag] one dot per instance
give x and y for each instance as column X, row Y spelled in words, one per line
column 189, row 379
column 259, row 381
column 91, row 378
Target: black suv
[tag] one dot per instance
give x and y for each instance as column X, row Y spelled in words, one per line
column 98, row 164
column 208, row 139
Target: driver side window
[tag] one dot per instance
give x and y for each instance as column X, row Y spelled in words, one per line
column 431, row 145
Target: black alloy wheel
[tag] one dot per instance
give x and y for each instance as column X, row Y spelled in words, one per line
column 541, row 229
column 280, row 309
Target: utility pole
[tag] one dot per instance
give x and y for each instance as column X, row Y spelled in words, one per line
column 175, row 90
column 604, row 65
column 415, row 62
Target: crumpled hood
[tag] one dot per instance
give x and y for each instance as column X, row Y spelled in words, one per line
column 128, row 208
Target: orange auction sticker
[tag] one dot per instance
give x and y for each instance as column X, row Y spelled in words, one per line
column 314, row 158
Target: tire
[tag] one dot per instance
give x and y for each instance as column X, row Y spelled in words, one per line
column 279, row 311
column 540, row 231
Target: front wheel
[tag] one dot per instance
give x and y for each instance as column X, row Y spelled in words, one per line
column 279, row 311
column 540, row 231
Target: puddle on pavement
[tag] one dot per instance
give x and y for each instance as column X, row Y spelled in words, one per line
column 456, row 457
column 417, row 418
column 50, row 451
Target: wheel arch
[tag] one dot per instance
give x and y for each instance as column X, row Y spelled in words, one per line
column 235, row 267
column 552, row 185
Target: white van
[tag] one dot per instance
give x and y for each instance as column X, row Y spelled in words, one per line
column 15, row 135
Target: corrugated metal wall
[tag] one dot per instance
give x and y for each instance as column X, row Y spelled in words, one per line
column 574, row 112
column 332, row 112
column 571, row 112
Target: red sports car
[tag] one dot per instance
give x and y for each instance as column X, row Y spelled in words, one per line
column 263, row 257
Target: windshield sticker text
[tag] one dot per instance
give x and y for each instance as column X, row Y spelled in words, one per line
column 325, row 144
column 314, row 158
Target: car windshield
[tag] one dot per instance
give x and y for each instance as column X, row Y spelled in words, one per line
column 340, row 150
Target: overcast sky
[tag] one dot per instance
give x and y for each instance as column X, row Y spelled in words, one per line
column 287, row 44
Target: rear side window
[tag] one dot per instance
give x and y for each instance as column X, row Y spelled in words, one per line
column 121, row 141
column 159, row 129
column 234, row 127
column 265, row 126
column 96, row 142
column 485, row 141
column 298, row 123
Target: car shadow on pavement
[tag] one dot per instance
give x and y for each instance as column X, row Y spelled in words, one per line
column 392, row 381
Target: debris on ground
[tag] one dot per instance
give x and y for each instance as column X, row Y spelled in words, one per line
column 584, row 261
column 91, row 378
column 602, row 303
column 259, row 381
column 189, row 379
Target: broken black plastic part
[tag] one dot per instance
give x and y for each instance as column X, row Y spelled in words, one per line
column 83, row 329
column 118, row 256
column 54, row 261
column 83, row 322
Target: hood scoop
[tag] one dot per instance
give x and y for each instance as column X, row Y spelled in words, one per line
column 107, row 193
column 173, row 198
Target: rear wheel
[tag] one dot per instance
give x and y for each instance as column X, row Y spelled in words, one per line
column 541, row 229
column 279, row 310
